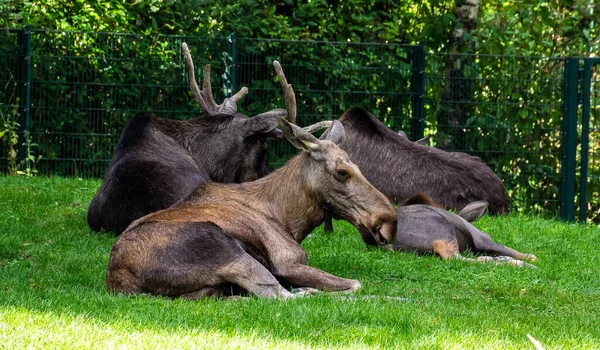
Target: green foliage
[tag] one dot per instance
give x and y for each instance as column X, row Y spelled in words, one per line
column 528, row 27
column 513, row 123
column 54, row 293
column 9, row 136
column 31, row 160
column 532, row 27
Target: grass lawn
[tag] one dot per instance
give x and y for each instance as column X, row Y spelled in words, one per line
column 53, row 294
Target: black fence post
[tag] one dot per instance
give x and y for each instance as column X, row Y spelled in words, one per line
column 24, row 82
column 569, row 139
column 417, row 123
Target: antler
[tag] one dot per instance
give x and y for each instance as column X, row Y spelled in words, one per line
column 288, row 93
column 205, row 96
column 317, row 126
column 335, row 130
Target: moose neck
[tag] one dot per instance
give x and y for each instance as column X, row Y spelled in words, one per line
column 285, row 196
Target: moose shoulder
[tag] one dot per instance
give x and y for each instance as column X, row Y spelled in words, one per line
column 400, row 168
column 158, row 161
column 225, row 236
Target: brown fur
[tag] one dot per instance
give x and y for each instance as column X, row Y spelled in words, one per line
column 445, row 249
column 422, row 198
column 248, row 235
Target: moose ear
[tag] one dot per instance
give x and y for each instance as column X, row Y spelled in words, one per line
column 473, row 211
column 335, row 133
column 424, row 140
column 298, row 137
column 264, row 122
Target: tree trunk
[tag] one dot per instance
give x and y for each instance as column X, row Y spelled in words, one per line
column 457, row 94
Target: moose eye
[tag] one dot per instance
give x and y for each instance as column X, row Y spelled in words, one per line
column 342, row 175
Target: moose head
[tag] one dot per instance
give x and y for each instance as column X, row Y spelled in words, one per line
column 158, row 161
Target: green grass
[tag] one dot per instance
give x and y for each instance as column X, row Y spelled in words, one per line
column 53, row 294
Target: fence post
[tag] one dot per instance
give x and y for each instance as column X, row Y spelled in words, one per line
column 417, row 123
column 569, row 139
column 585, row 134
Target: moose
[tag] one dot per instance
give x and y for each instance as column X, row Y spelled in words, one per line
column 225, row 237
column 424, row 227
column 401, row 169
column 159, row 161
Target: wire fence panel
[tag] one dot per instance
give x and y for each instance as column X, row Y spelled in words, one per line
column 85, row 86
column 75, row 91
column 328, row 78
column 506, row 110
column 9, row 100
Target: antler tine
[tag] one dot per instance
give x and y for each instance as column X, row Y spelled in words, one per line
column 288, row 93
column 243, row 91
column 317, row 126
column 207, row 92
column 189, row 64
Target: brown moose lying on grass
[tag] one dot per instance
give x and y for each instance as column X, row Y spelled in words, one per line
column 424, row 227
column 226, row 235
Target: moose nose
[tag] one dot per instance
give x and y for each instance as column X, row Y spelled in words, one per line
column 387, row 230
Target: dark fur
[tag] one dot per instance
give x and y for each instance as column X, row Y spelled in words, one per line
column 400, row 168
column 159, row 161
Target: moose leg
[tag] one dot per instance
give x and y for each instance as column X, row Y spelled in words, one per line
column 447, row 249
column 499, row 260
column 306, row 276
column 198, row 260
column 484, row 244
column 253, row 276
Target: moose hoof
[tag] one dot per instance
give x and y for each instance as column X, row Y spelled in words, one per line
column 354, row 286
column 530, row 257
column 304, row 291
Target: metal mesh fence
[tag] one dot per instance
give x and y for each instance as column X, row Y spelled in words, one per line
column 75, row 91
column 328, row 78
column 507, row 110
column 85, row 86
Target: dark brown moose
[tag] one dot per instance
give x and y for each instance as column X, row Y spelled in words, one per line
column 158, row 161
column 224, row 236
column 424, row 228
column 401, row 169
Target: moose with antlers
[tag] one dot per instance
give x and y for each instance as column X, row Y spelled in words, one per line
column 226, row 237
column 159, row 161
